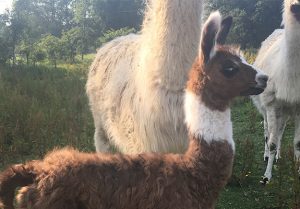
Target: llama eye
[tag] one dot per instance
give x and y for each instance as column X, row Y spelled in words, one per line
column 229, row 72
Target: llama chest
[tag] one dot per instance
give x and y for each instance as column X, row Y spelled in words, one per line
column 286, row 83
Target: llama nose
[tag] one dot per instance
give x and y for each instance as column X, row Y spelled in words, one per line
column 262, row 80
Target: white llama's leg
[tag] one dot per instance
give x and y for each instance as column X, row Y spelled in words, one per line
column 297, row 138
column 100, row 137
column 276, row 123
column 266, row 134
column 281, row 131
column 101, row 141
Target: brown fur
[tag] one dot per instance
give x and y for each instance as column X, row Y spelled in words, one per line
column 70, row 179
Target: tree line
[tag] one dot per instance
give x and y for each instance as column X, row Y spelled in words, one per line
column 60, row 29
column 35, row 30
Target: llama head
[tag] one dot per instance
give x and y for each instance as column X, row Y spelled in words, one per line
column 292, row 7
column 224, row 73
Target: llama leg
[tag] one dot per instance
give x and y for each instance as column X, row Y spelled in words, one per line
column 101, row 141
column 276, row 123
column 281, row 131
column 100, row 138
column 266, row 134
column 297, row 139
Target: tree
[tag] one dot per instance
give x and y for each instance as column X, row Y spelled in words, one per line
column 69, row 43
column 84, row 20
column 112, row 34
column 118, row 14
column 51, row 46
column 4, row 51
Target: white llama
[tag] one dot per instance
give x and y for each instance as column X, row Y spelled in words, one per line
column 279, row 57
column 136, row 83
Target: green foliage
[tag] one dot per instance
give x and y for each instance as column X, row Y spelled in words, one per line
column 37, row 54
column 250, row 55
column 77, row 23
column 111, row 34
column 4, row 51
column 51, row 45
column 254, row 20
column 69, row 43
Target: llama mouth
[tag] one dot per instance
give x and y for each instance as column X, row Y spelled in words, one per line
column 253, row 91
column 295, row 9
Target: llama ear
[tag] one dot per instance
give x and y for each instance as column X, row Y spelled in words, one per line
column 208, row 36
column 223, row 32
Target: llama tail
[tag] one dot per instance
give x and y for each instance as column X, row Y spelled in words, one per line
column 11, row 178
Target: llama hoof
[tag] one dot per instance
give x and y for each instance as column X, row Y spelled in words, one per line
column 264, row 181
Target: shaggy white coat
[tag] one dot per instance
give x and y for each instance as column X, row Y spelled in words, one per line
column 279, row 57
column 136, row 83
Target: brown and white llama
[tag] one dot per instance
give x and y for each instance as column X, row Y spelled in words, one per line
column 279, row 57
column 136, row 83
column 70, row 179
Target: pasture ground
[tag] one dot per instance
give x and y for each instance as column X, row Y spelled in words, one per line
column 42, row 108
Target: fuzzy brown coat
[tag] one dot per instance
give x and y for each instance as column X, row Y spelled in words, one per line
column 69, row 179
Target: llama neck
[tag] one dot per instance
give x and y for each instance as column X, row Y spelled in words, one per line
column 291, row 47
column 206, row 124
column 288, row 74
column 211, row 149
column 169, row 40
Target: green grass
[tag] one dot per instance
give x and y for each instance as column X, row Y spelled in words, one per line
column 42, row 108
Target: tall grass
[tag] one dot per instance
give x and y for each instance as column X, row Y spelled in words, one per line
column 42, row 108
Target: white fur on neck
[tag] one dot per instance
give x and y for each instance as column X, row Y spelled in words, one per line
column 285, row 70
column 210, row 125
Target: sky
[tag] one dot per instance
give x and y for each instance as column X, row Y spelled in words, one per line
column 5, row 4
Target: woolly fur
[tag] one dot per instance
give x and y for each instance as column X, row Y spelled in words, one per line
column 136, row 83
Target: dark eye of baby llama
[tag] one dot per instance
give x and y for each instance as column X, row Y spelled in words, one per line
column 229, row 72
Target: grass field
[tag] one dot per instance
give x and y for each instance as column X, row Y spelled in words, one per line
column 42, row 108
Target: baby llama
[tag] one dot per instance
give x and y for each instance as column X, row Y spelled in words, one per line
column 136, row 83
column 279, row 57
column 68, row 179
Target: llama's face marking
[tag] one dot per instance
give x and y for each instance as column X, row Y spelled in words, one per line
column 229, row 73
column 295, row 9
column 220, row 73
